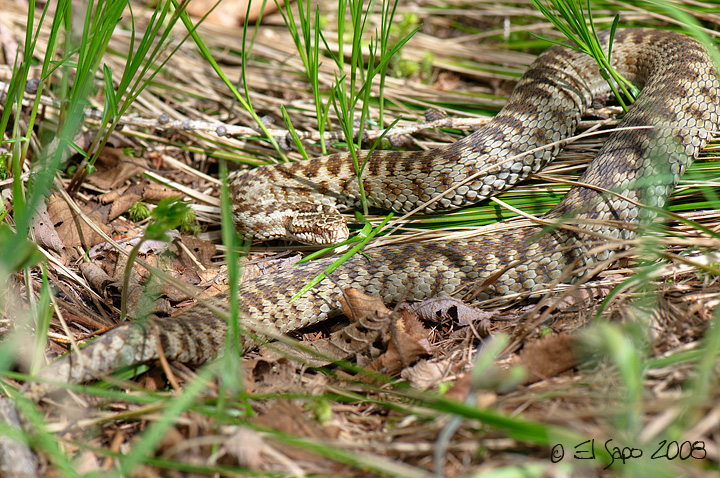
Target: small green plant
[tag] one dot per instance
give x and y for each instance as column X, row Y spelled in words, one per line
column 243, row 100
column 409, row 22
column 71, row 170
column 400, row 67
column 322, row 410
column 168, row 214
column 188, row 222
column 4, row 159
column 403, row 68
column 139, row 211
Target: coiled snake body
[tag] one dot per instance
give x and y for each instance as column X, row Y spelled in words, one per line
column 671, row 120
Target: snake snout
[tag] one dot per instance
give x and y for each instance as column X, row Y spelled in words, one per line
column 320, row 237
column 322, row 226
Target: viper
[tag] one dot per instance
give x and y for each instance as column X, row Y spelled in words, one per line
column 671, row 120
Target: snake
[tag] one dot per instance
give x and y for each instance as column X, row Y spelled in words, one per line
column 634, row 172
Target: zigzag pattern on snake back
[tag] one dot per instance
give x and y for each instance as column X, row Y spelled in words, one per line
column 675, row 115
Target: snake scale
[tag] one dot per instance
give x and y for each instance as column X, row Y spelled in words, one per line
column 672, row 119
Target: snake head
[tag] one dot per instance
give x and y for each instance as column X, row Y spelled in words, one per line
column 317, row 224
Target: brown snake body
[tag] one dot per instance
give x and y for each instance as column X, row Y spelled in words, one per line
column 676, row 113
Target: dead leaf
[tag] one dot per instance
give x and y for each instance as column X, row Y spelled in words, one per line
column 272, row 373
column 151, row 246
column 153, row 192
column 115, row 167
column 426, row 374
column 364, row 339
column 461, row 389
column 287, row 417
column 202, row 251
column 121, row 204
column 71, row 228
column 44, row 231
column 406, row 338
column 407, row 342
column 446, row 81
column 589, row 294
column 120, row 199
column 548, row 357
column 246, row 446
column 414, row 327
column 442, row 308
column 356, row 305
column 347, row 343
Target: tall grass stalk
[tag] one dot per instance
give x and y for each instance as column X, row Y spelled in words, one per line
column 230, row 364
column 387, row 16
column 207, row 56
column 349, row 91
column 355, row 88
column 352, row 89
column 307, row 42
